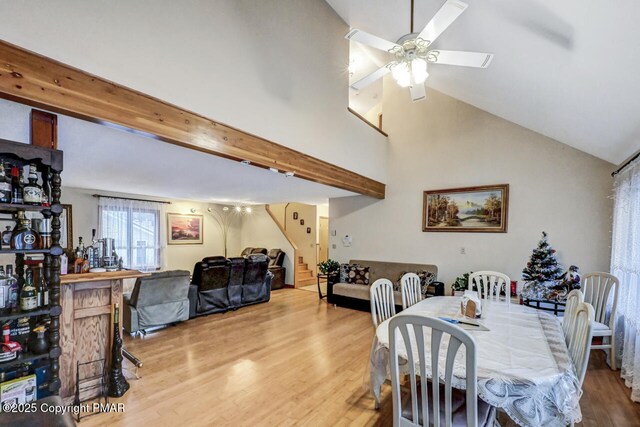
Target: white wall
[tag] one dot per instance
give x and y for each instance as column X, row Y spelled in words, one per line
column 178, row 257
column 274, row 68
column 444, row 143
column 260, row 231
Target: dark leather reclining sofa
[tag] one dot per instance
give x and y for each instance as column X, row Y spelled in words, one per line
column 219, row 284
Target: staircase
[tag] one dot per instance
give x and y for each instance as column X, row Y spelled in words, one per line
column 304, row 276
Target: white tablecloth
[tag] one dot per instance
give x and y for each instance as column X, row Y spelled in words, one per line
column 523, row 363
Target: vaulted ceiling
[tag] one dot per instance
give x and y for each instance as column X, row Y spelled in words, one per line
column 567, row 70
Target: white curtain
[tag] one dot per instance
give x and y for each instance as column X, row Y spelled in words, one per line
column 139, row 231
column 625, row 264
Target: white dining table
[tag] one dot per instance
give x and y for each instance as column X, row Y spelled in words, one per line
column 523, row 364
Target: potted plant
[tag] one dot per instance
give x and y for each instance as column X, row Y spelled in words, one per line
column 329, row 267
column 461, row 284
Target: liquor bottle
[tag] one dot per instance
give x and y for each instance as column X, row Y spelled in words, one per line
column 117, row 384
column 32, row 190
column 64, row 264
column 46, row 189
column 28, row 296
column 13, row 284
column 24, row 237
column 42, row 288
column 16, row 187
column 80, row 248
column 5, row 293
column 5, row 185
column 6, row 237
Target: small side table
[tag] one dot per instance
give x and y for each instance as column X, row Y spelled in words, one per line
column 328, row 278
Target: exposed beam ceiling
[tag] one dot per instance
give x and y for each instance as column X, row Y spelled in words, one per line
column 36, row 80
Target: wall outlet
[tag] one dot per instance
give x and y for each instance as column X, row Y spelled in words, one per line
column 463, row 250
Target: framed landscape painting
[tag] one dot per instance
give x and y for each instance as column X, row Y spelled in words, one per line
column 184, row 229
column 482, row 209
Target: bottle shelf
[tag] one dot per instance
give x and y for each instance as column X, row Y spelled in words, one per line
column 11, row 208
column 24, row 358
column 25, row 251
column 18, row 314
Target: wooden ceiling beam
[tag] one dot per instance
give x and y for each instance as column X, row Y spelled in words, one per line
column 42, row 82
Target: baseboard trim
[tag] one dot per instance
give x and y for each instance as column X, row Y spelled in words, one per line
column 289, row 286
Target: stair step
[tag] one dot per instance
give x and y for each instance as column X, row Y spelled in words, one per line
column 303, row 274
column 303, row 266
column 306, row 282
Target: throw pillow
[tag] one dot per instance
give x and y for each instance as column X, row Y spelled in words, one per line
column 344, row 272
column 358, row 275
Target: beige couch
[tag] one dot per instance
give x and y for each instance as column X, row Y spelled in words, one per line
column 357, row 296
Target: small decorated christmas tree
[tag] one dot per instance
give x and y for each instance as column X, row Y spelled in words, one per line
column 543, row 265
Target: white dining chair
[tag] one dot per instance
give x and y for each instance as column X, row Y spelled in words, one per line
column 489, row 284
column 382, row 301
column 411, row 290
column 425, row 400
column 582, row 333
column 574, row 298
column 597, row 289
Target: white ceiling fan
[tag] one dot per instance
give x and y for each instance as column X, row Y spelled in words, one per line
column 412, row 53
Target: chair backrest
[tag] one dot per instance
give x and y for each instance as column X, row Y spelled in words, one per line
column 255, row 269
column 214, row 274
column 490, row 284
column 382, row 302
column 411, row 331
column 581, row 336
column 160, row 288
column 411, row 290
column 276, row 258
column 597, row 288
column 574, row 298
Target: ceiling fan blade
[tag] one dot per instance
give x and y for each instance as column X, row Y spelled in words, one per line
column 370, row 40
column 444, row 17
column 367, row 80
column 418, row 92
column 458, row 57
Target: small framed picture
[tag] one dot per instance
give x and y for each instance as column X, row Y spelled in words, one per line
column 302, row 222
column 184, row 229
column 308, row 230
column 295, row 215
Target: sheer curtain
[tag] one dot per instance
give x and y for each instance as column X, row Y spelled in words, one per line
column 625, row 264
column 138, row 229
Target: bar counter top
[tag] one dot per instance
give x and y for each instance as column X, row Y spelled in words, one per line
column 95, row 277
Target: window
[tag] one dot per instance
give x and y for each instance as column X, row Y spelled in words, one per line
column 135, row 228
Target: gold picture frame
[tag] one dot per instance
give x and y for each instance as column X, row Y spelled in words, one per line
column 480, row 209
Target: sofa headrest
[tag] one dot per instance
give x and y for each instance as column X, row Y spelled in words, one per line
column 237, row 260
column 246, row 251
column 214, row 261
column 276, row 258
column 259, row 251
column 165, row 274
column 257, row 258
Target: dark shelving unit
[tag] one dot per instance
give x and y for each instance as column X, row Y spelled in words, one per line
column 49, row 163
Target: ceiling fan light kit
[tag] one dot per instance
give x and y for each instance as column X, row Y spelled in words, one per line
column 411, row 51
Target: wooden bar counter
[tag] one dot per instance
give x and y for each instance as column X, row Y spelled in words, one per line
column 86, row 324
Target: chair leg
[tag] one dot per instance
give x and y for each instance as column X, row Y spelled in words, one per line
column 612, row 352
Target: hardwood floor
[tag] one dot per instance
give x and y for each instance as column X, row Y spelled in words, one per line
column 292, row 361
